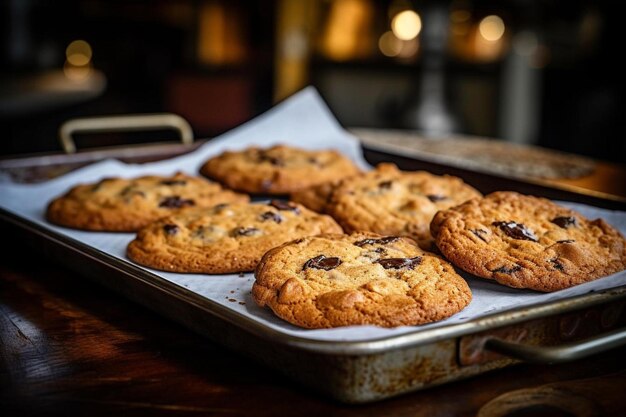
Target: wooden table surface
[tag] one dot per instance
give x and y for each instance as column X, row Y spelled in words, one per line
column 69, row 347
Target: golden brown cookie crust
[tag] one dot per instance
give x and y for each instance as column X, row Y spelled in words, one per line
column 316, row 197
column 126, row 205
column 363, row 278
column 393, row 202
column 277, row 170
column 225, row 238
column 528, row 242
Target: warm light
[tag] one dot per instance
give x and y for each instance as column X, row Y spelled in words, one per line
column 491, row 28
column 389, row 45
column 406, row 25
column 78, row 53
column 409, row 48
column 347, row 32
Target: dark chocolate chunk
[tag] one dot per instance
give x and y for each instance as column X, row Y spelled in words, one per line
column 266, row 184
column 170, row 229
column 219, row 207
column 436, row 197
column 505, row 270
column 263, row 157
column 565, row 222
column 245, row 231
column 322, row 262
column 566, row 241
column 478, row 233
column 173, row 182
column 516, row 230
column 283, row 205
column 270, row 215
column 557, row 265
column 385, row 185
column 399, row 263
column 381, row 241
column 176, row 202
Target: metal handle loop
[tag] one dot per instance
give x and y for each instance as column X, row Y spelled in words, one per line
column 556, row 354
column 122, row 124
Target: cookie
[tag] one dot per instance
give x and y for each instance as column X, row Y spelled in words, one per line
column 126, row 205
column 277, row 170
column 363, row 278
column 393, row 202
column 528, row 242
column 225, row 238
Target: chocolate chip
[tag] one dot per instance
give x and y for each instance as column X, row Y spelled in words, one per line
column 263, row 157
column 313, row 160
column 385, row 185
column 170, row 229
column 436, row 197
column 478, row 233
column 219, row 207
column 565, row 222
column 173, row 182
column 505, row 270
column 399, row 263
column 282, row 205
column 322, row 262
column 245, row 231
column 381, row 241
column 566, row 241
column 176, row 202
column 270, row 215
column 557, row 265
column 266, row 184
column 516, row 230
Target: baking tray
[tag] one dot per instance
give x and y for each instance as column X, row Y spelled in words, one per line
column 379, row 364
column 355, row 371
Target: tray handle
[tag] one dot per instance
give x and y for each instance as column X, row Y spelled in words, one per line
column 123, row 124
column 556, row 354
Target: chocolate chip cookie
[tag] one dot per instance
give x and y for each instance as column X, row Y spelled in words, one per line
column 277, row 170
column 528, row 242
column 225, row 238
column 126, row 205
column 389, row 201
column 363, row 278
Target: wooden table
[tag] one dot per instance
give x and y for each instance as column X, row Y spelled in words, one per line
column 71, row 348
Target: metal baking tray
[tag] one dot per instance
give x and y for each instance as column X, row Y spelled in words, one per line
column 353, row 372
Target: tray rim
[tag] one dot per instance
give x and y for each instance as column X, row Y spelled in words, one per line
column 398, row 150
column 379, row 345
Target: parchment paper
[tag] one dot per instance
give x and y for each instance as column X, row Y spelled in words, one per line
column 304, row 121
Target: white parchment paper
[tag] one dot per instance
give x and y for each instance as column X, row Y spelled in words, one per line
column 304, row 121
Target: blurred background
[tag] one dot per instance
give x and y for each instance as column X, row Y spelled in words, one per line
column 527, row 71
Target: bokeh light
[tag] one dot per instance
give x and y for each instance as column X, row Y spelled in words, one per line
column 491, row 28
column 406, row 25
column 78, row 53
